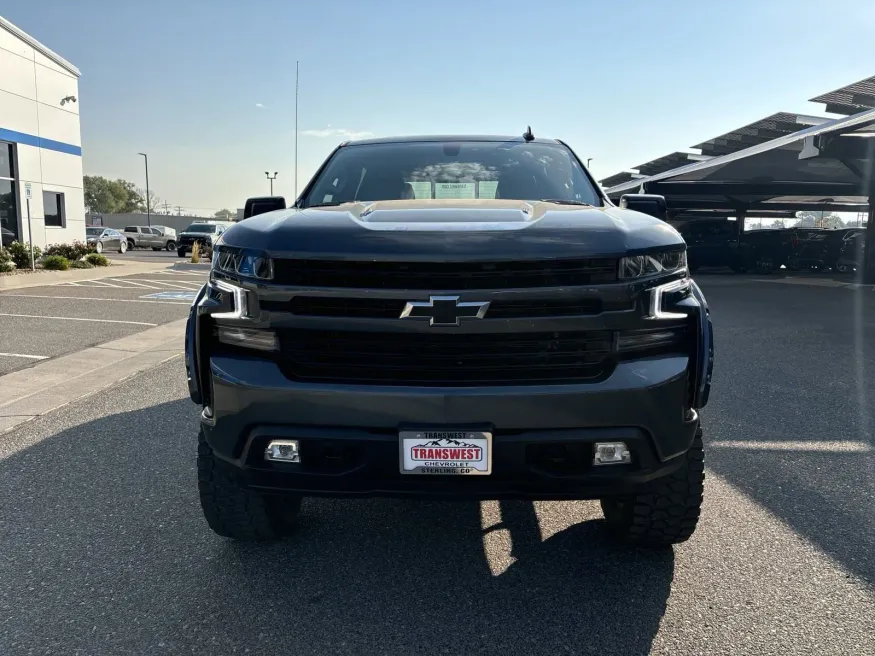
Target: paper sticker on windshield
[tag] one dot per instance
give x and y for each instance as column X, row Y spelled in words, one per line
column 455, row 189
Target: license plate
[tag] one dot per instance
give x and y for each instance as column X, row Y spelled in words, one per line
column 458, row 453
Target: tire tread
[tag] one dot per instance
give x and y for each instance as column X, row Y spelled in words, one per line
column 234, row 512
column 669, row 513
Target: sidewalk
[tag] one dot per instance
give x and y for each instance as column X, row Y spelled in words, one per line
column 24, row 280
column 30, row 393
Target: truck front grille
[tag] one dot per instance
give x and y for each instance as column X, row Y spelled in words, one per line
column 387, row 308
column 444, row 275
column 450, row 359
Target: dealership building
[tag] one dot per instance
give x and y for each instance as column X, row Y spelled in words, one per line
column 40, row 147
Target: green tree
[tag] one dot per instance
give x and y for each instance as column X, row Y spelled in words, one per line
column 811, row 219
column 225, row 215
column 104, row 196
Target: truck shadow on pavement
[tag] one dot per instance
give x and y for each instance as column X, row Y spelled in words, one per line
column 104, row 550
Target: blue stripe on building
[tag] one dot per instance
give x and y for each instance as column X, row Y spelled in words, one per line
column 39, row 142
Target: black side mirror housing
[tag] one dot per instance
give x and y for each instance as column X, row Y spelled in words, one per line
column 262, row 205
column 651, row 204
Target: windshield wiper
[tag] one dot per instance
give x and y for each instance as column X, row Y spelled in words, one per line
column 565, row 201
column 329, row 203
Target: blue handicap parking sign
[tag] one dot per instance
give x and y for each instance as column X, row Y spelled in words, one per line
column 172, row 296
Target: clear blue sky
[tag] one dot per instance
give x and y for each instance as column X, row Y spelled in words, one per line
column 207, row 88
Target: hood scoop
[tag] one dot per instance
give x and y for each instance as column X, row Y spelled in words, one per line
column 460, row 214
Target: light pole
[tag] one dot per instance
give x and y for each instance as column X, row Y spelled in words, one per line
column 271, row 180
column 148, row 199
column 588, row 160
column 297, row 69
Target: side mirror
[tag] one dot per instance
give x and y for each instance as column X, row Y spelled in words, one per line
column 263, row 204
column 646, row 204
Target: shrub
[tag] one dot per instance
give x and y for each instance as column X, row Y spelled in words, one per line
column 96, row 259
column 6, row 263
column 75, row 251
column 20, row 254
column 56, row 263
column 196, row 253
column 81, row 264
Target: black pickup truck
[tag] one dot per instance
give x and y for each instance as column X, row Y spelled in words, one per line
column 453, row 317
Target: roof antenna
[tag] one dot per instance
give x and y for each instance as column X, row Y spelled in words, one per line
column 527, row 135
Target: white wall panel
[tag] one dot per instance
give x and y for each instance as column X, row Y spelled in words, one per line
column 15, row 45
column 43, row 235
column 16, row 75
column 42, row 60
column 61, row 169
column 28, row 163
column 17, row 113
column 52, row 86
column 55, row 123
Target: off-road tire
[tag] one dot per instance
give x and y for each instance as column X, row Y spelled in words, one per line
column 180, row 252
column 668, row 513
column 237, row 513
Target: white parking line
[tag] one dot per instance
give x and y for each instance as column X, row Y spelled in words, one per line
column 177, row 285
column 26, row 357
column 181, row 273
column 800, row 445
column 134, row 283
column 39, row 316
column 94, row 298
column 100, row 283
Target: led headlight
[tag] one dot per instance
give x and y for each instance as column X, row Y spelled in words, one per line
column 242, row 262
column 651, row 264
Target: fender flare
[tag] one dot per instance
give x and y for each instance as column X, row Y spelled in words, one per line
column 704, row 360
column 192, row 370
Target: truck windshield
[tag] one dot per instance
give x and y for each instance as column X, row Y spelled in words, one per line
column 451, row 170
column 201, row 227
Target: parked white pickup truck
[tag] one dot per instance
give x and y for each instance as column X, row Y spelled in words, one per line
column 155, row 237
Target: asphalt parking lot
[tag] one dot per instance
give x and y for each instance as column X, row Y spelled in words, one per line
column 104, row 549
column 37, row 323
column 147, row 255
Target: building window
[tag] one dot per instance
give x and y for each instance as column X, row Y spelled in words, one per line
column 53, row 209
column 6, row 170
column 8, row 209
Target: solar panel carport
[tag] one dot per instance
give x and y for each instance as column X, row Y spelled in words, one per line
column 829, row 165
column 774, row 167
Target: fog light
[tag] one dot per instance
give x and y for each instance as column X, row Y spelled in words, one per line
column 282, row 450
column 611, row 453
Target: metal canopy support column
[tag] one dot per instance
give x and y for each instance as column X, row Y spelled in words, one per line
column 869, row 253
column 868, row 184
column 739, row 224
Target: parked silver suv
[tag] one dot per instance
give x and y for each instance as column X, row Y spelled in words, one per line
column 155, row 237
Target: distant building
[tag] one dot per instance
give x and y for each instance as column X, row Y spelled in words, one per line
column 40, row 145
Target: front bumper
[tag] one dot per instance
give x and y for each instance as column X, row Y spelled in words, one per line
column 349, row 439
column 543, row 436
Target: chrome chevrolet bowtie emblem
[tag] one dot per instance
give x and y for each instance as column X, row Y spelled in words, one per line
column 444, row 310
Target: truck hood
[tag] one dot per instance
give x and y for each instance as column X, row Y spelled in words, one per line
column 452, row 230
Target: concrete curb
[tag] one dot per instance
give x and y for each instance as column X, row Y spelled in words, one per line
column 24, row 280
column 30, row 393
